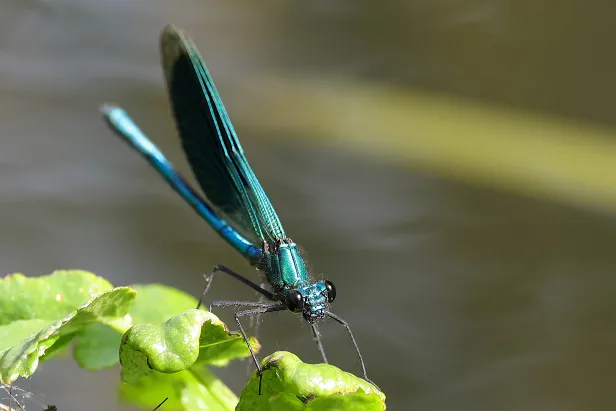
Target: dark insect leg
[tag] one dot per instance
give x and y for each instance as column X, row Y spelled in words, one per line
column 317, row 339
column 361, row 359
column 262, row 310
column 231, row 303
column 159, row 405
column 255, row 322
column 221, row 268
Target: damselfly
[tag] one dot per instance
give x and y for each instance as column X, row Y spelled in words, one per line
column 235, row 204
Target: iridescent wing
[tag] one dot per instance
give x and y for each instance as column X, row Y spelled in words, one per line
column 211, row 144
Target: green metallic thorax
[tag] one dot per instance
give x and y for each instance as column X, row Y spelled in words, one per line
column 284, row 266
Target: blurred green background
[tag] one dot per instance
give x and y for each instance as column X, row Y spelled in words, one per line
column 449, row 165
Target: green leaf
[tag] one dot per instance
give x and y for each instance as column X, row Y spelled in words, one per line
column 206, row 392
column 148, row 391
column 97, row 347
column 58, row 349
column 21, row 359
column 195, row 389
column 166, row 357
column 157, row 303
column 37, row 313
column 48, row 297
column 176, row 344
column 218, row 346
column 289, row 384
column 16, row 331
column 169, row 347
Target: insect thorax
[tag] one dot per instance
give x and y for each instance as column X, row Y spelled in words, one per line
column 286, row 271
column 283, row 265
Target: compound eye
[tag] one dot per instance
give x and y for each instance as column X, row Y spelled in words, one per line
column 331, row 291
column 294, row 301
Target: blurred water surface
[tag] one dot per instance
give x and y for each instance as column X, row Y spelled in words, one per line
column 460, row 298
